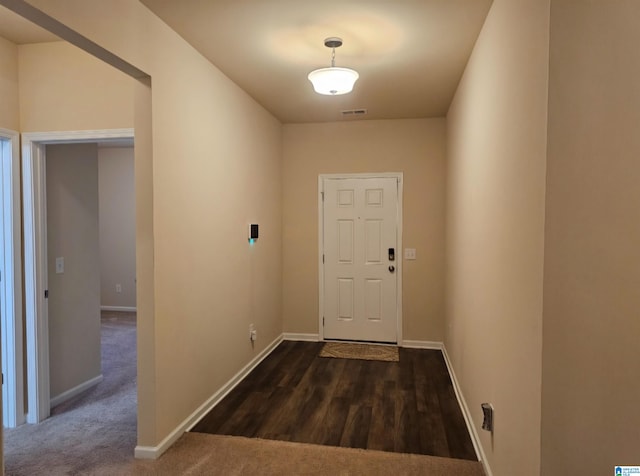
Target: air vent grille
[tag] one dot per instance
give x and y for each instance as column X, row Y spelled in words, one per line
column 354, row 112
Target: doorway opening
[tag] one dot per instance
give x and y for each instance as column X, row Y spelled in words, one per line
column 35, row 257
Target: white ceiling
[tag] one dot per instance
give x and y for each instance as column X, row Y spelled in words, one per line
column 410, row 53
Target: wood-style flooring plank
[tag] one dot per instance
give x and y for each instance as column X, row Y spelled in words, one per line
column 277, row 420
column 378, row 438
column 457, row 435
column 332, row 426
column 356, row 428
column 294, row 395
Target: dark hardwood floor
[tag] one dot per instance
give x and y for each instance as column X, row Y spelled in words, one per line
column 294, row 395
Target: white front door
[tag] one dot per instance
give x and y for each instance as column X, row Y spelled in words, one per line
column 360, row 223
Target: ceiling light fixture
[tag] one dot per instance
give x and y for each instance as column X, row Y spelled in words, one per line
column 333, row 81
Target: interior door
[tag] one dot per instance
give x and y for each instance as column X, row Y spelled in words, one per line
column 360, row 217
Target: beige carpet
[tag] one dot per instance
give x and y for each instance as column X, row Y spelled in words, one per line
column 203, row 454
column 347, row 350
column 92, row 429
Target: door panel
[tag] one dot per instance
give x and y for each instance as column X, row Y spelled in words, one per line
column 373, row 241
column 345, row 299
column 345, row 241
column 360, row 218
column 373, row 299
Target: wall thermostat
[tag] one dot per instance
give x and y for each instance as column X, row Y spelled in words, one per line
column 253, row 232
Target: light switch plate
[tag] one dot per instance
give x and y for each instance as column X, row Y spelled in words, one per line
column 409, row 253
column 59, row 265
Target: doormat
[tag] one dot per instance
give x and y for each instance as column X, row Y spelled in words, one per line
column 344, row 350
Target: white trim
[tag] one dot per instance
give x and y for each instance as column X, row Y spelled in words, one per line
column 422, row 344
column 321, row 257
column 35, row 259
column 475, row 439
column 119, row 308
column 64, row 396
column 35, row 255
column 400, row 183
column 154, row 452
column 77, row 137
column 365, row 175
column 11, row 281
column 301, row 337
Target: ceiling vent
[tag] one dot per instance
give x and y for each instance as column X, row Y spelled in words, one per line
column 354, row 112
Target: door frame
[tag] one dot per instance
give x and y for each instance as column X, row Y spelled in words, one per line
column 400, row 180
column 35, row 255
column 11, row 283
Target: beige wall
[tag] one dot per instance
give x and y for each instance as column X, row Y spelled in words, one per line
column 591, row 368
column 9, row 111
column 214, row 168
column 496, row 155
column 413, row 146
column 74, row 296
column 62, row 88
column 117, row 226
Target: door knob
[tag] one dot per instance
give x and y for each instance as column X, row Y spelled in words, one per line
column 392, row 268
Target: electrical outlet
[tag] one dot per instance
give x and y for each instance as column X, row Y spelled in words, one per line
column 118, row 288
column 487, row 414
column 253, row 334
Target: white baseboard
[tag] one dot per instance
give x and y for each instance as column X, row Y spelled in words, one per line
column 64, row 396
column 475, row 439
column 301, row 337
column 151, row 452
column 119, row 308
column 422, row 344
column 154, row 452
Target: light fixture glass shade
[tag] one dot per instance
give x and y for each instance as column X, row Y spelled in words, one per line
column 333, row 81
